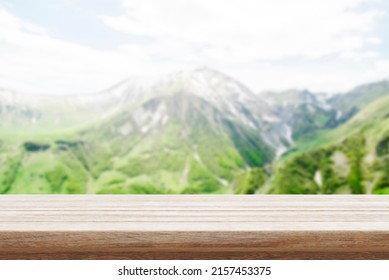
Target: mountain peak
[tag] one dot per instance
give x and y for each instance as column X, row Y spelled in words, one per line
column 207, row 83
column 198, row 73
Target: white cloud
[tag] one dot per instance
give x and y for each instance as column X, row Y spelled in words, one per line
column 32, row 60
column 379, row 71
column 263, row 43
column 239, row 31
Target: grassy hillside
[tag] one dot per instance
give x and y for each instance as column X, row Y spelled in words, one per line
column 350, row 159
column 181, row 144
column 351, row 103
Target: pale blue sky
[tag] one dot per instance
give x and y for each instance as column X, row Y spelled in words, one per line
column 68, row 46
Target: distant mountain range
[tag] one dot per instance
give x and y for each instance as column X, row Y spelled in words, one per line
column 195, row 132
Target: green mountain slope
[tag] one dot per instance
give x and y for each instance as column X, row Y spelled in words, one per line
column 177, row 143
column 352, row 102
column 350, row 159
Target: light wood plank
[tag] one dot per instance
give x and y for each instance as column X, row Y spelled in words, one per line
column 223, row 227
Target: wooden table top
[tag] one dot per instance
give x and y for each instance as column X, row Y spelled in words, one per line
column 194, row 227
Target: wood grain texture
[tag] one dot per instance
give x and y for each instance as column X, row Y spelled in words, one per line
column 194, row 227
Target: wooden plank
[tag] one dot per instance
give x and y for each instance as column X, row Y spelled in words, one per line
column 194, row 227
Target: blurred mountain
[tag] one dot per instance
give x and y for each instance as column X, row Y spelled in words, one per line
column 197, row 131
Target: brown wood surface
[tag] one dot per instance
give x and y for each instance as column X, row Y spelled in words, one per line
column 194, row 227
